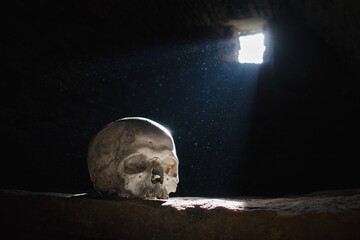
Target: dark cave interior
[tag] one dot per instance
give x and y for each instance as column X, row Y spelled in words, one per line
column 287, row 126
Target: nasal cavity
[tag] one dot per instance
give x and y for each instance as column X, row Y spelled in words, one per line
column 157, row 175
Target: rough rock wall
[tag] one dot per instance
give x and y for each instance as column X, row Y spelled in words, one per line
column 71, row 67
column 337, row 22
column 66, row 216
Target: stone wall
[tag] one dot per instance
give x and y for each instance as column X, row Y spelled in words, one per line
column 71, row 67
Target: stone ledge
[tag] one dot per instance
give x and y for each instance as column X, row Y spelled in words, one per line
column 323, row 215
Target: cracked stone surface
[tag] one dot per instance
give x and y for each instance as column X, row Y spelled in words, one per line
column 320, row 215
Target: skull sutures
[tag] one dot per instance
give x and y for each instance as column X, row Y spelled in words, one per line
column 134, row 157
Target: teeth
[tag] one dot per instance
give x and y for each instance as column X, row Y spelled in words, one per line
column 156, row 177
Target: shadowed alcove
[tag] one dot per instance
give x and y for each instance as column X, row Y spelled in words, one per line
column 285, row 127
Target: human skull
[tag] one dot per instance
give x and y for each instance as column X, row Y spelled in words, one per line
column 133, row 157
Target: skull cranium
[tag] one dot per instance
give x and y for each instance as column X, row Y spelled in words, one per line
column 134, row 157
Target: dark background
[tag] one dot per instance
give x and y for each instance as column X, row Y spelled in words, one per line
column 287, row 126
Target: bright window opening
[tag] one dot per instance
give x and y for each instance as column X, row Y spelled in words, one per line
column 252, row 48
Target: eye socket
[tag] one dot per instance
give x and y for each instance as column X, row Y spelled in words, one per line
column 135, row 164
column 171, row 167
